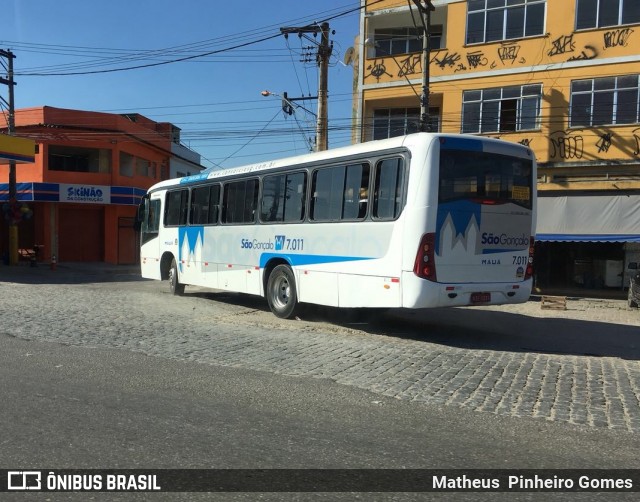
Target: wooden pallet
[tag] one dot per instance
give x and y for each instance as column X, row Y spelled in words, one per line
column 553, row 303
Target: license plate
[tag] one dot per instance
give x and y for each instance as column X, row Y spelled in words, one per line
column 480, row 297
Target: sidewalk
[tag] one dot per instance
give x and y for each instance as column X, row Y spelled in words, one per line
column 72, row 272
column 575, row 292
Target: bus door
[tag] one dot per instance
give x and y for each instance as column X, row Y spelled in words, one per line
column 149, row 221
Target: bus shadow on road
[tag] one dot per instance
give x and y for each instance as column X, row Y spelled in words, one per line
column 513, row 332
column 468, row 328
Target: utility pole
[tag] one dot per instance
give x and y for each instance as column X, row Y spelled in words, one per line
column 322, row 58
column 324, row 53
column 425, row 15
column 11, row 124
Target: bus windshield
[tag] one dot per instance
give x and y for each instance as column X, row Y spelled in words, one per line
column 487, row 178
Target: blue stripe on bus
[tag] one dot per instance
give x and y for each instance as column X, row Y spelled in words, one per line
column 194, row 177
column 453, row 143
column 297, row 260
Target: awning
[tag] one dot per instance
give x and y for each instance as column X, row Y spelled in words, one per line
column 78, row 193
column 19, row 150
column 589, row 218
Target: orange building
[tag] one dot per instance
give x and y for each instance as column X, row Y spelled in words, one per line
column 78, row 200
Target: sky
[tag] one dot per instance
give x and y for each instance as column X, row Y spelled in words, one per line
column 120, row 57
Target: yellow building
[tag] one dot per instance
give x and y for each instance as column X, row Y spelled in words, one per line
column 561, row 76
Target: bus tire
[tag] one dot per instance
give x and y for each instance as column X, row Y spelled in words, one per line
column 282, row 294
column 174, row 284
column 631, row 300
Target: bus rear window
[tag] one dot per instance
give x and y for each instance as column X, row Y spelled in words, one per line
column 486, row 177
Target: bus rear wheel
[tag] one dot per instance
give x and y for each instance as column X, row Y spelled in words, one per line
column 282, row 294
column 631, row 301
column 174, row 285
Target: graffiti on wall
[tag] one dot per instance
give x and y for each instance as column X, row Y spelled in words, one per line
column 410, row 64
column 589, row 52
column 476, row 59
column 567, row 144
column 604, row 143
column 377, row 69
column 508, row 53
column 636, row 137
column 562, row 45
column 617, row 38
column 566, row 44
column 447, row 60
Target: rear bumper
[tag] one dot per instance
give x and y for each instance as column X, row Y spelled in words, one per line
column 420, row 293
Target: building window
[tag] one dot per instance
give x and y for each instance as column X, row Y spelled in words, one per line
column 394, row 41
column 126, row 164
column 131, row 165
column 436, row 37
column 605, row 101
column 142, row 167
column 601, row 13
column 502, row 109
column 391, row 41
column 79, row 160
column 392, row 122
column 492, row 20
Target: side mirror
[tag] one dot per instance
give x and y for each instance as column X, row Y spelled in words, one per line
column 137, row 223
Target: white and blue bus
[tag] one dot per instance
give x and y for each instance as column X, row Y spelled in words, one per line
column 424, row 220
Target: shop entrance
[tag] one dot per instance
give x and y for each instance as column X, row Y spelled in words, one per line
column 81, row 233
column 128, row 245
column 579, row 265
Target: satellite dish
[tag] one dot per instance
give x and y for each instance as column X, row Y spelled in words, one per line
column 349, row 56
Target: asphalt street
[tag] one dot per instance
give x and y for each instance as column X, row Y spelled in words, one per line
column 111, row 371
column 81, row 407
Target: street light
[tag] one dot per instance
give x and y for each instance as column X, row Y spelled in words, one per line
column 289, row 107
column 287, row 102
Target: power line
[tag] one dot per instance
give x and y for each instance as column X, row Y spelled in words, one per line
column 160, row 63
column 131, row 56
column 251, row 139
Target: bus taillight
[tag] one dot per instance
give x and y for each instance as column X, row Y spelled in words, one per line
column 425, row 265
column 529, row 273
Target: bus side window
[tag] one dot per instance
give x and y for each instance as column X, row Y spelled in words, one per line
column 177, row 208
column 356, row 179
column 336, row 192
column 204, row 205
column 240, row 201
column 283, row 197
column 389, row 180
column 323, row 203
column 153, row 221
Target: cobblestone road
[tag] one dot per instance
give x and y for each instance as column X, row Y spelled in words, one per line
column 580, row 366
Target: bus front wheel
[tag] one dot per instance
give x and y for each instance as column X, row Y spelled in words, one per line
column 282, row 295
column 174, row 285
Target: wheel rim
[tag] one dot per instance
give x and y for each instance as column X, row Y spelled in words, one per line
column 281, row 292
